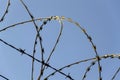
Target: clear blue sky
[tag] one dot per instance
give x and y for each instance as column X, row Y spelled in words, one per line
column 100, row 18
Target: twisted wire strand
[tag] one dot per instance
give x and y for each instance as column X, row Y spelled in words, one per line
column 58, row 38
column 118, row 70
column 20, row 23
column 35, row 44
column 4, row 77
column 88, row 69
column 6, row 11
column 92, row 43
column 39, row 37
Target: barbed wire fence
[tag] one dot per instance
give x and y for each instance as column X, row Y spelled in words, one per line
column 39, row 41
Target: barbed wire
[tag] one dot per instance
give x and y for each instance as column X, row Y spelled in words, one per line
column 38, row 39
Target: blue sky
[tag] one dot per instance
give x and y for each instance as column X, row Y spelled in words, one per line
column 101, row 20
